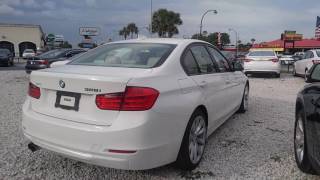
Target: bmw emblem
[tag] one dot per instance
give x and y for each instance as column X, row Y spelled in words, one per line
column 62, row 84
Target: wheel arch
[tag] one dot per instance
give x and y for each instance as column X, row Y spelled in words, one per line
column 204, row 110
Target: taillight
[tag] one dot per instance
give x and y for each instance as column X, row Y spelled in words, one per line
column 133, row 99
column 316, row 61
column 44, row 62
column 34, row 91
column 247, row 60
column 275, row 60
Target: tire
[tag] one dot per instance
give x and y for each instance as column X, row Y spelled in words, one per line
column 12, row 63
column 300, row 144
column 277, row 75
column 305, row 74
column 186, row 159
column 245, row 100
column 294, row 73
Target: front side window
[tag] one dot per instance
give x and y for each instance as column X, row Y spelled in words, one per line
column 203, row 59
column 132, row 55
column 221, row 61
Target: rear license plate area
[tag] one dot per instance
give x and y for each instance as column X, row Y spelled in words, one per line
column 68, row 100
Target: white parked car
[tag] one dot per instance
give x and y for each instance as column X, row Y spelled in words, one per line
column 27, row 53
column 262, row 61
column 309, row 58
column 135, row 104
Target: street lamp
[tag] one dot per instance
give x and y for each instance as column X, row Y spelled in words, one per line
column 237, row 38
column 214, row 11
column 151, row 13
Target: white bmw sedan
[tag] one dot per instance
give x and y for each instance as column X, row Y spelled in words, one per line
column 135, row 104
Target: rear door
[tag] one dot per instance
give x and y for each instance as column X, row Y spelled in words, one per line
column 234, row 84
column 208, row 80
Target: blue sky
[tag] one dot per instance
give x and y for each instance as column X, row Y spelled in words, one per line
column 260, row 19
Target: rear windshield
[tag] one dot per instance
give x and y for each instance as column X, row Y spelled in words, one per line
column 29, row 51
column 261, row 53
column 132, row 55
column 52, row 54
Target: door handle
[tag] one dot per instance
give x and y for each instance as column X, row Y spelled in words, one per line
column 203, row 84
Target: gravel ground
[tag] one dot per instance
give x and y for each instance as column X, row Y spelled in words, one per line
column 257, row 144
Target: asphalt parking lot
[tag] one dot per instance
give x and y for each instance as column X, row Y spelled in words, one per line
column 257, row 144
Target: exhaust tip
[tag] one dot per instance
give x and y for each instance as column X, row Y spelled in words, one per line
column 32, row 147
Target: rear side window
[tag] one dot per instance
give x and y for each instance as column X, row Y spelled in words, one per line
column 189, row 64
column 221, row 61
column 131, row 55
column 203, row 59
column 261, row 53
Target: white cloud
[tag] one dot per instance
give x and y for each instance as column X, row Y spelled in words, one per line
column 49, row 5
column 91, row 3
column 5, row 9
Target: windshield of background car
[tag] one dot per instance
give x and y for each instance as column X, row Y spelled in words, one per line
column 4, row 51
column 131, row 55
column 51, row 54
column 318, row 53
column 29, row 51
column 316, row 73
column 261, row 53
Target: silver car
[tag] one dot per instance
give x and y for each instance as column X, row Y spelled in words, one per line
column 262, row 61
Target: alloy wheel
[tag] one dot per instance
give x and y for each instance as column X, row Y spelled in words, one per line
column 299, row 140
column 197, row 139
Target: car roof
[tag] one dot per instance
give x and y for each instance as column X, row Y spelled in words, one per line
column 159, row 40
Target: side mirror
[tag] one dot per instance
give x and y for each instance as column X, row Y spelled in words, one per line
column 237, row 66
column 313, row 75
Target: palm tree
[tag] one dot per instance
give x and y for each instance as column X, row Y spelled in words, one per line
column 165, row 23
column 252, row 41
column 124, row 32
column 133, row 29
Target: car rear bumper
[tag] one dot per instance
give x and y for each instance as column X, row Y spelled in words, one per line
column 262, row 71
column 90, row 143
column 276, row 68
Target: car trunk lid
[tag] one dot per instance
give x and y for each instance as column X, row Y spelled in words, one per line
column 69, row 92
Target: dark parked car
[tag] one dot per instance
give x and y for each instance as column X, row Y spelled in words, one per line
column 46, row 59
column 6, row 57
column 307, row 124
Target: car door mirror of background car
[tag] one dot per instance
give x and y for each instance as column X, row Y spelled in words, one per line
column 313, row 75
column 237, row 66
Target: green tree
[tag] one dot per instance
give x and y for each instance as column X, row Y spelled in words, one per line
column 132, row 29
column 213, row 38
column 124, row 32
column 165, row 23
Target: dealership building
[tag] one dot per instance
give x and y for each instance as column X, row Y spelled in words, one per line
column 18, row 37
